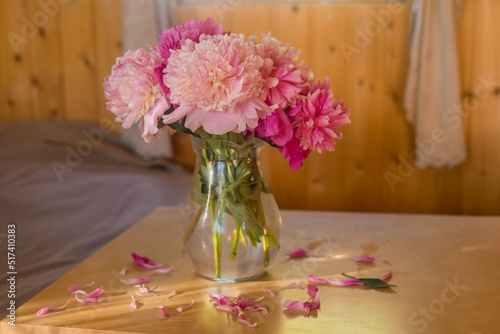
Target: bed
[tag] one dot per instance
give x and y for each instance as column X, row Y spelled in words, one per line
column 70, row 188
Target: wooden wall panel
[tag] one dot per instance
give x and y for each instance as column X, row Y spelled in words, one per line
column 58, row 74
column 64, row 52
column 379, row 140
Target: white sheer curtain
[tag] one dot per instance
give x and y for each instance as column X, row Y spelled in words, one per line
column 143, row 21
column 432, row 98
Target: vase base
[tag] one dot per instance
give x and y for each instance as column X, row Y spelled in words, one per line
column 232, row 280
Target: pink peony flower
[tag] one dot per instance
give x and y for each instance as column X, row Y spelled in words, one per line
column 287, row 77
column 294, row 153
column 276, row 128
column 217, row 84
column 318, row 118
column 170, row 39
column 132, row 92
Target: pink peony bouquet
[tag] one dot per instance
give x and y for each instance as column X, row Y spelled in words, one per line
column 206, row 82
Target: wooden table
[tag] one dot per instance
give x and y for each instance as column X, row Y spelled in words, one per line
column 446, row 269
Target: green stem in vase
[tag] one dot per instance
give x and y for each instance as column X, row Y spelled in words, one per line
column 217, row 236
column 262, row 219
column 235, row 241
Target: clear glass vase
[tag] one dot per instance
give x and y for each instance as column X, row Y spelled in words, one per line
column 232, row 225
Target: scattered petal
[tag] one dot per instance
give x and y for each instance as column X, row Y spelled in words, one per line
column 133, row 305
column 334, row 281
column 163, row 270
column 257, row 307
column 123, row 272
column 362, row 259
column 164, row 311
column 244, row 319
column 76, row 287
column 145, row 291
column 182, row 308
column 314, row 279
column 386, row 276
column 294, row 305
column 271, row 293
column 48, row 308
column 228, row 308
column 298, row 253
column 146, row 262
column 312, row 290
column 135, row 280
column 171, row 294
column 89, row 297
column 292, row 286
column 312, row 303
column 220, row 299
column 374, row 283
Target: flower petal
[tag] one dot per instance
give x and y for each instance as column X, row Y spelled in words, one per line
column 314, row 279
column 257, row 307
column 228, row 308
column 294, row 305
column 220, row 299
column 271, row 293
column 146, row 262
column 96, row 292
column 386, row 276
column 164, row 311
column 182, row 308
column 135, row 280
column 312, row 290
column 362, row 259
column 48, row 308
column 123, row 272
column 292, row 286
column 76, row 287
column 133, row 305
column 163, row 270
column 345, row 282
column 299, row 252
column 171, row 294
column 244, row 319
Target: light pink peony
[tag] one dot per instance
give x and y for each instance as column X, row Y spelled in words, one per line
column 133, row 93
column 217, row 84
column 170, row 39
column 318, row 118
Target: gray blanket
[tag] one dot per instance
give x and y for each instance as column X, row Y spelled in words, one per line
column 70, row 188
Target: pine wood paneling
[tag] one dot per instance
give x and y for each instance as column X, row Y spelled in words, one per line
column 59, row 72
column 372, row 80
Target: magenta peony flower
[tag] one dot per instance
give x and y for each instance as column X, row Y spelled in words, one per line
column 170, row 39
column 318, row 118
column 294, row 153
column 275, row 128
column 217, row 84
column 287, row 78
column 132, row 92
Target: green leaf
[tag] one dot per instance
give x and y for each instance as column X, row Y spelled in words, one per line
column 374, row 283
column 196, row 193
column 243, row 215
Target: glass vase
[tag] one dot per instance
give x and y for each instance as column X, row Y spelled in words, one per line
column 232, row 225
